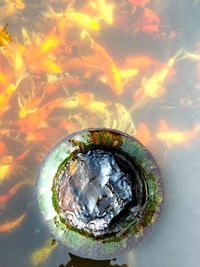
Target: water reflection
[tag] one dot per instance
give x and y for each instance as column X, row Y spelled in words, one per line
column 80, row 262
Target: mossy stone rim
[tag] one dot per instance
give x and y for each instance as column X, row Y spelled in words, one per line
column 83, row 245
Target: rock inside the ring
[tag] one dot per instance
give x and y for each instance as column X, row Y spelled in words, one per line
column 96, row 190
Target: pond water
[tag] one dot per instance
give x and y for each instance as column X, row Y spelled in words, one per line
column 131, row 65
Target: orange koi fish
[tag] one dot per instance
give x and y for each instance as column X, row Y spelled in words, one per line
column 3, row 148
column 74, row 18
column 82, row 20
column 122, row 120
column 30, row 104
column 70, row 80
column 78, row 100
column 12, row 191
column 12, row 134
column 8, row 164
column 41, row 135
column 69, row 125
column 11, row 8
column 11, row 225
column 7, row 11
column 6, row 96
column 5, row 37
column 49, row 44
column 143, row 134
column 18, row 3
column 109, row 67
column 50, row 66
column 100, row 110
column 150, row 16
column 141, row 62
column 128, row 73
column 46, row 44
column 38, row 119
column 151, row 28
column 192, row 56
column 105, row 9
column 40, row 255
column 88, row 64
column 37, row 56
column 5, row 167
column 153, row 86
column 18, row 58
column 139, row 3
column 26, row 37
column 85, row 98
column 58, row 81
column 174, row 137
column 38, row 62
column 87, row 102
column 14, row 53
column 149, row 22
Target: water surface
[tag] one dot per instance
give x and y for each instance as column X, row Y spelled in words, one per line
column 129, row 65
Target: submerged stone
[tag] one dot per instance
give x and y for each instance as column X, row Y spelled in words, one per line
column 99, row 191
column 94, row 192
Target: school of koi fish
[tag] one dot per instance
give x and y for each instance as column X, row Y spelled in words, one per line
column 61, row 75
